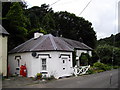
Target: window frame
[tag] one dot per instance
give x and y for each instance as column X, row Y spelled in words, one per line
column 44, row 63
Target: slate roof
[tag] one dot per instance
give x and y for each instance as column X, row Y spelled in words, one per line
column 77, row 44
column 49, row 43
column 3, row 31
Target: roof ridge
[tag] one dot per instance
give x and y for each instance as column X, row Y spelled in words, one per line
column 39, row 42
column 20, row 45
column 53, row 42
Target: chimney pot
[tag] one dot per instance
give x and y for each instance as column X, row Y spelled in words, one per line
column 37, row 35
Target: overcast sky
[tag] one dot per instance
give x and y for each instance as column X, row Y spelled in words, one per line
column 102, row 13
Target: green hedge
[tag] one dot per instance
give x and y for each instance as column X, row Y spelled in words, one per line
column 101, row 66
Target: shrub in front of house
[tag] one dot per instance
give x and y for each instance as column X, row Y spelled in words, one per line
column 39, row 76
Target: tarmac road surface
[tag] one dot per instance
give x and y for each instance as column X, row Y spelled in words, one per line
column 108, row 79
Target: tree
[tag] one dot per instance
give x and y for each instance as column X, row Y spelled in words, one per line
column 41, row 19
column 73, row 27
column 48, row 23
column 116, row 56
column 107, row 53
column 62, row 23
column 5, row 8
column 113, row 40
column 17, row 25
column 94, row 57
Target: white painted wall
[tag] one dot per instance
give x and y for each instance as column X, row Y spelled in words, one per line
column 3, row 55
column 34, row 65
column 25, row 59
column 78, row 52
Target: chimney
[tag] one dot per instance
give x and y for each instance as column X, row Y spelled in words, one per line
column 37, row 35
column 80, row 39
column 61, row 35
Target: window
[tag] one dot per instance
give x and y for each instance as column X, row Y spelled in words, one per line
column 44, row 64
column 63, row 61
column 18, row 62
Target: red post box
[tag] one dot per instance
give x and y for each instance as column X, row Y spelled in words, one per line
column 23, row 71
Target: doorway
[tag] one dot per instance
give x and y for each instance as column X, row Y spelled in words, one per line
column 64, row 65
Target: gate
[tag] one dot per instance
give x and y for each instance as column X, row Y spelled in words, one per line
column 80, row 70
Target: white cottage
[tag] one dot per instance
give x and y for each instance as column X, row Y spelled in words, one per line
column 46, row 54
column 3, row 51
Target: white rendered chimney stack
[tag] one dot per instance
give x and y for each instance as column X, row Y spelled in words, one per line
column 36, row 35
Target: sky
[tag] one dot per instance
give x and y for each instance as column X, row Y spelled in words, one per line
column 103, row 14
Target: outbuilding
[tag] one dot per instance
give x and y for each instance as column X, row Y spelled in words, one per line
column 3, row 51
column 46, row 54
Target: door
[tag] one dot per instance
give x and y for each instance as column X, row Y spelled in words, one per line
column 18, row 67
column 18, row 64
column 64, row 66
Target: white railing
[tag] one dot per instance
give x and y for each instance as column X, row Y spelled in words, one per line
column 80, row 70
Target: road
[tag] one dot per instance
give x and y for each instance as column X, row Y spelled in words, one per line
column 108, row 79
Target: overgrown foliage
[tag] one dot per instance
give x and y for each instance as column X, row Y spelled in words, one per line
column 99, row 67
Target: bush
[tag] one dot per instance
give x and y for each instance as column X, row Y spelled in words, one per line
column 116, row 67
column 101, row 66
column 107, row 67
column 98, row 65
column 39, row 76
column 99, row 71
column 91, row 71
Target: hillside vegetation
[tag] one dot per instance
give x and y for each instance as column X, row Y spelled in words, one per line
column 113, row 40
column 108, row 50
